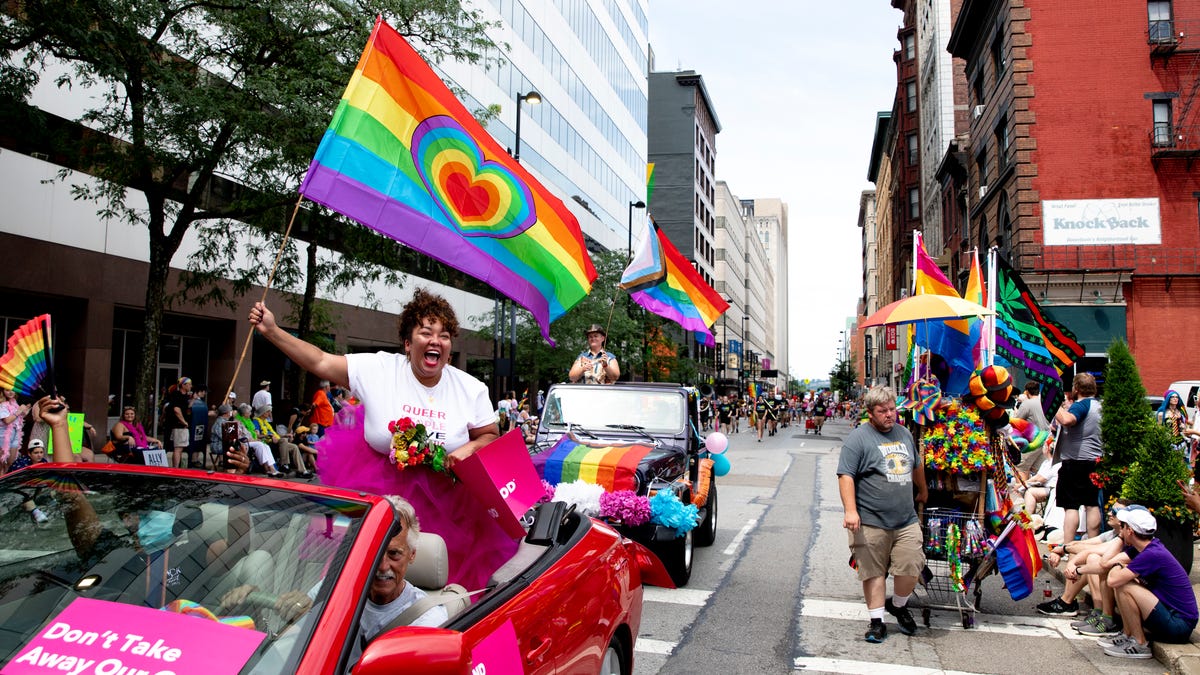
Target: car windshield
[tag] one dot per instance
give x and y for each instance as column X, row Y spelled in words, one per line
column 596, row 408
column 89, row 558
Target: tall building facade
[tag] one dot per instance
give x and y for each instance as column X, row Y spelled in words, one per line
column 587, row 141
column 683, row 128
column 1081, row 165
column 771, row 221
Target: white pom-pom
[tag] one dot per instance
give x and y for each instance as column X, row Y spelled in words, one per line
column 585, row 496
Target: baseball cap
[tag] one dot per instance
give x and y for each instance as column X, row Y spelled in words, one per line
column 36, row 443
column 1138, row 520
column 233, row 396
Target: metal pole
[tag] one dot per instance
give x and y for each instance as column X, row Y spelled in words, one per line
column 513, row 338
column 517, row 142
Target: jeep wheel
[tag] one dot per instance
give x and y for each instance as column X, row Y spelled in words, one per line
column 706, row 531
column 676, row 556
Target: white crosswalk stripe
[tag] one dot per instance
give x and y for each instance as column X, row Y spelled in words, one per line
column 1026, row 626
column 652, row 646
column 678, row 596
column 818, row 664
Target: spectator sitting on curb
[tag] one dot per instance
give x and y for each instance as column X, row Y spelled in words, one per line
column 1153, row 590
column 1088, row 566
column 1079, row 551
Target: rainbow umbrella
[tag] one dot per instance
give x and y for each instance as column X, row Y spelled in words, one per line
column 925, row 307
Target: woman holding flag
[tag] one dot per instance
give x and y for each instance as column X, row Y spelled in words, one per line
column 400, row 392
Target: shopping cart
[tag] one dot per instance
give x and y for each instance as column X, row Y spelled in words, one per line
column 957, row 558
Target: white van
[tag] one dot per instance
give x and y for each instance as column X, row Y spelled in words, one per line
column 1189, row 390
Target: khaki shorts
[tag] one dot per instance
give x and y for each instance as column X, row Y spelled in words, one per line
column 180, row 438
column 880, row 552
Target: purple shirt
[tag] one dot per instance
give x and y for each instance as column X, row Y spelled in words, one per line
column 1164, row 576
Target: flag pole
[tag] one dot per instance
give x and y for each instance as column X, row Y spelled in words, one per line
column 270, row 280
column 990, row 324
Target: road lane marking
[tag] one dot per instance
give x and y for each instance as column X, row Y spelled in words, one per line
column 677, row 596
column 1025, row 626
column 652, row 646
column 737, row 540
column 865, row 667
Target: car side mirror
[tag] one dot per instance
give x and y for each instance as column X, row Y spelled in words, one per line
column 415, row 649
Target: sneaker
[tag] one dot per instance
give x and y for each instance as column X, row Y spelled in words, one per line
column 1057, row 607
column 908, row 625
column 1088, row 622
column 1130, row 650
column 1103, row 626
column 1118, row 640
column 877, row 632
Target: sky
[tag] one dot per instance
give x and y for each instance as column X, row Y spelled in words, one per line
column 796, row 87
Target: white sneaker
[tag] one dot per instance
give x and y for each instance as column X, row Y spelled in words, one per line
column 1115, row 641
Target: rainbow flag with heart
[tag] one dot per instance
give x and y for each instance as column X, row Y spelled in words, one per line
column 612, row 467
column 404, row 157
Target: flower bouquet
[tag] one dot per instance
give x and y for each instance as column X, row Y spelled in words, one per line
column 411, row 446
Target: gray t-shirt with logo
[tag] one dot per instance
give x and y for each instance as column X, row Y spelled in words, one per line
column 881, row 465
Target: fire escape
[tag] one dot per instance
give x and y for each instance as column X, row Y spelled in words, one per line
column 1175, row 47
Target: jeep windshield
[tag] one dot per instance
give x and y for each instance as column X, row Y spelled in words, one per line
column 597, row 408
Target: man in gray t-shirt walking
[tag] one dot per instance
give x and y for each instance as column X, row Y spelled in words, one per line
column 877, row 471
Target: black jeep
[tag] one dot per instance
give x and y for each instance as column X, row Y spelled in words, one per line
column 664, row 417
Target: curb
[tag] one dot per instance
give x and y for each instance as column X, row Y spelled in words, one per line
column 1179, row 659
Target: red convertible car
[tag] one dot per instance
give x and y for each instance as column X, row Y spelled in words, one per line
column 130, row 570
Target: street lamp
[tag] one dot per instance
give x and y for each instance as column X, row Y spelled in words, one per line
column 532, row 98
column 639, row 204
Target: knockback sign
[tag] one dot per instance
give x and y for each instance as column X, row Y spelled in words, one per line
column 1101, row 222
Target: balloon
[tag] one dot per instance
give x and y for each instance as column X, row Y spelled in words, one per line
column 721, row 465
column 716, row 443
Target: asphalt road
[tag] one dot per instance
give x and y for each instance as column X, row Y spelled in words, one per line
column 774, row 594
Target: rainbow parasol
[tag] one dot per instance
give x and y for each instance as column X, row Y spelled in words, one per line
column 925, row 307
column 28, row 363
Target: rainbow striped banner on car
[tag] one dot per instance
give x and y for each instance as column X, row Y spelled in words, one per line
column 612, row 467
column 404, row 157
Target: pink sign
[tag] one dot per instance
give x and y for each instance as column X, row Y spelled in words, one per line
column 497, row 654
column 502, row 477
column 95, row 637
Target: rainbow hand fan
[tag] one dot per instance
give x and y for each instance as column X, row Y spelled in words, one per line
column 27, row 363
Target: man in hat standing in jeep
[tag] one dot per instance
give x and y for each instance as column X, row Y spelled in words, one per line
column 594, row 365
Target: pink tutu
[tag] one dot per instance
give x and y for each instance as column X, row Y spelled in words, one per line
column 477, row 546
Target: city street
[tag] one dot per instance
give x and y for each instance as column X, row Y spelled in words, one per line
column 775, row 594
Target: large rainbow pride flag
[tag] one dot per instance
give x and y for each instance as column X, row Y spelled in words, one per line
column 1017, row 560
column 660, row 279
column 612, row 467
column 404, row 157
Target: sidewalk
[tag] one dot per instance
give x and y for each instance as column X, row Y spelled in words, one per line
column 1179, row 659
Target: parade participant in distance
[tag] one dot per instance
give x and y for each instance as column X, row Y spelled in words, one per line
column 594, row 365
column 877, row 470
column 419, row 386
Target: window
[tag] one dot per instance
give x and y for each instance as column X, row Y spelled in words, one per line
column 981, row 166
column 910, row 96
column 914, row 203
column 910, row 47
column 1162, row 27
column 1002, row 144
column 1163, row 135
column 977, row 87
column 913, row 153
column 998, row 62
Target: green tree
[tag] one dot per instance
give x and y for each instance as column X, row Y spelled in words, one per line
column 1153, row 478
column 1126, row 417
column 188, row 91
column 843, row 378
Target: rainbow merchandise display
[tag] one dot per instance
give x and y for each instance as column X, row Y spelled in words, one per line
column 28, row 365
column 989, row 391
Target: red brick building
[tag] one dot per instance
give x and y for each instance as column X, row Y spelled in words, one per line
column 1082, row 165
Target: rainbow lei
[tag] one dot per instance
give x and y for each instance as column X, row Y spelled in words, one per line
column 954, row 559
column 411, row 446
column 957, row 441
